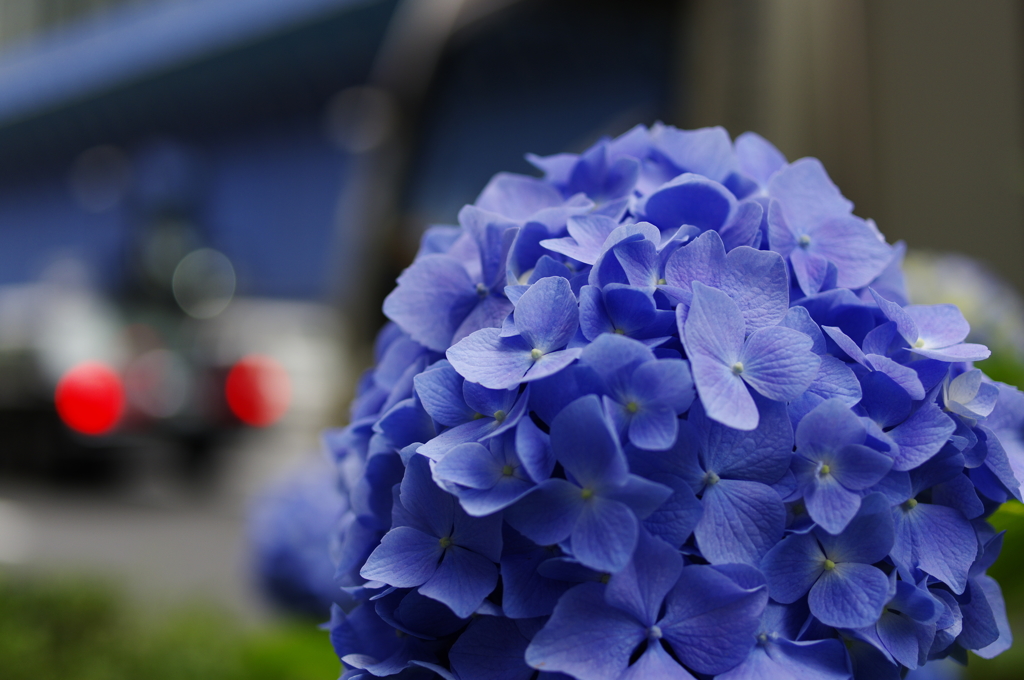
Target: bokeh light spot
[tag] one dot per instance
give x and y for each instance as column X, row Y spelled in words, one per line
column 203, row 283
column 90, row 398
column 258, row 390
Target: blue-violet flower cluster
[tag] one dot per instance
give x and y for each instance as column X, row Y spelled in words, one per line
column 292, row 533
column 666, row 412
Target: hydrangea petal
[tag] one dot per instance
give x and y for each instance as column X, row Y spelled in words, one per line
column 547, row 314
column 655, row 662
column 758, row 282
column 605, row 534
column 938, row 325
column 904, row 376
column 471, row 465
column 667, row 381
column 405, row 558
column 587, row 235
column 707, row 151
column 585, row 446
column 639, row 261
column 492, row 647
column 807, row 195
column 778, row 362
column 936, row 539
column 689, row 199
column 921, row 436
column 899, row 635
column 846, row 344
column 742, row 520
column 713, row 336
column 851, row 595
column 854, row 248
column 479, row 534
column 517, row 196
column 831, row 505
column 433, row 297
column 483, row 502
column 858, row 467
column 641, row 587
column 551, row 363
column 702, row 259
column 493, row 361
column 631, row 310
column 442, row 444
column 965, row 351
column 534, row 449
column 654, row 427
column 760, row 455
column 792, row 566
column 994, row 596
column 440, row 392
column 830, row 426
column 758, row 157
column 586, row 637
column 427, row 504
column 744, row 226
column 710, row 621
column 462, row 580
column 867, row 539
column 525, row 592
column 547, row 514
column 812, row 270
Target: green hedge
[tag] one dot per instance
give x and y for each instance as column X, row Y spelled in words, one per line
column 75, row 629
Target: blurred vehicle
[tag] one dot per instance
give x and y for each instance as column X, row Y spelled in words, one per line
column 88, row 381
column 169, row 240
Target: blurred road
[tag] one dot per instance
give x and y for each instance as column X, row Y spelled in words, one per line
column 163, row 545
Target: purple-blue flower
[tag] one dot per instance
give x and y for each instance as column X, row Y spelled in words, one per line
column 436, row 547
column 836, row 573
column 832, row 464
column 643, row 395
column 546, row 318
column 775, row 361
column 667, row 412
column 597, row 507
column 665, row 616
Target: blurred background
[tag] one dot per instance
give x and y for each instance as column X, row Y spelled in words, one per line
column 204, row 202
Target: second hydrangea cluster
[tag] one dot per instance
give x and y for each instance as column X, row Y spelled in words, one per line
column 667, row 413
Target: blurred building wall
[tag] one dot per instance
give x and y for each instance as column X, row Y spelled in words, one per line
column 914, row 106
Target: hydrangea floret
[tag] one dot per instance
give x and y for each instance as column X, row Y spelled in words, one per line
column 667, row 412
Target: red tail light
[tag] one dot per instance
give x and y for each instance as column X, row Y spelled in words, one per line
column 258, row 390
column 90, row 398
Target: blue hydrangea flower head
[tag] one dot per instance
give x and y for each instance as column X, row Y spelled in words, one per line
column 666, row 411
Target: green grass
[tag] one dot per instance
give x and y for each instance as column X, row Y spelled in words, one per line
column 75, row 629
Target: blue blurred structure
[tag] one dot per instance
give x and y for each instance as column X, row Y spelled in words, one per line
column 233, row 94
column 237, row 88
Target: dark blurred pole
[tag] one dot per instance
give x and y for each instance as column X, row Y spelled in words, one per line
column 369, row 208
column 913, row 105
